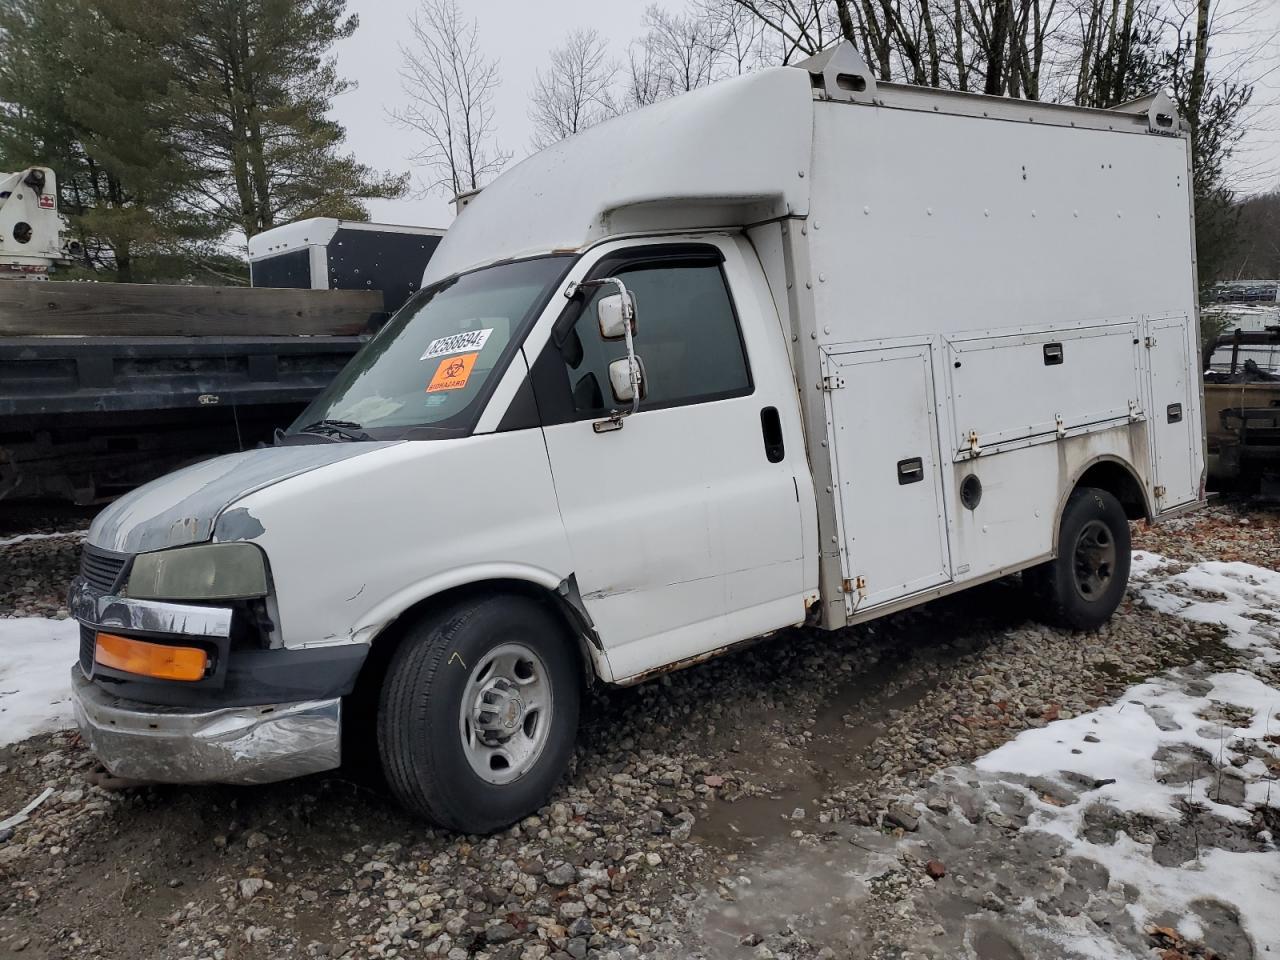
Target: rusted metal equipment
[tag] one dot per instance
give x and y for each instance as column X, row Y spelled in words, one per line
column 1242, row 410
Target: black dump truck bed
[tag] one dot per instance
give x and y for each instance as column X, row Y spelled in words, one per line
column 98, row 394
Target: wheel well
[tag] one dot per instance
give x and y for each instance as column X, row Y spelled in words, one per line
column 360, row 712
column 1119, row 481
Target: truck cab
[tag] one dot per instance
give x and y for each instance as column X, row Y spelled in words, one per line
column 668, row 386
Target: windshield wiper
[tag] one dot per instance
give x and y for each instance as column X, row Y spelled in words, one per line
column 337, row 430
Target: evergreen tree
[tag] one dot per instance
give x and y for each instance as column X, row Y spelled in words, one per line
column 259, row 81
column 86, row 92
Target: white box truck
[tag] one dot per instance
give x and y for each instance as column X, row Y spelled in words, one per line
column 324, row 253
column 798, row 348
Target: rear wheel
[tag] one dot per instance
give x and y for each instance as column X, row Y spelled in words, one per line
column 1082, row 588
column 479, row 712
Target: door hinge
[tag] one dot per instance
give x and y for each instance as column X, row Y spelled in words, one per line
column 857, row 584
column 1160, row 491
column 833, row 382
column 975, row 449
column 1135, row 412
column 1150, row 342
column 1060, row 424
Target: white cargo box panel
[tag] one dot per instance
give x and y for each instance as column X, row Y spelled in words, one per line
column 923, row 222
column 1015, row 388
column 884, row 438
column 1175, row 411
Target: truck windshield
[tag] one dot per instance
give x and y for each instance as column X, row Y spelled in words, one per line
column 437, row 359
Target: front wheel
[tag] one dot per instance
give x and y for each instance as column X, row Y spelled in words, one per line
column 479, row 712
column 1082, row 588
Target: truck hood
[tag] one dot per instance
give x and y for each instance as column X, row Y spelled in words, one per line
column 181, row 508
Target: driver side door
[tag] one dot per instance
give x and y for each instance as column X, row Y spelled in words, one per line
column 684, row 528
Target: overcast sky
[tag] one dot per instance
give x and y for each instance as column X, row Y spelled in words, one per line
column 520, row 35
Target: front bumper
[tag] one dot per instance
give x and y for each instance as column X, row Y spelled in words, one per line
column 241, row 745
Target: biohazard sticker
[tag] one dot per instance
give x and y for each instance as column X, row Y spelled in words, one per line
column 453, row 373
column 471, row 340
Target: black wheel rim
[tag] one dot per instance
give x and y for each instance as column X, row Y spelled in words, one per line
column 1094, row 560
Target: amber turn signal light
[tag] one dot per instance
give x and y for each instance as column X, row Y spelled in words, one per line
column 150, row 659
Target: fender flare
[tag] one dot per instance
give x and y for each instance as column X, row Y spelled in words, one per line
column 1084, row 468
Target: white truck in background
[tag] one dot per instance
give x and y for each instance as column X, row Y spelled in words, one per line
column 30, row 226
column 798, row 348
column 324, row 253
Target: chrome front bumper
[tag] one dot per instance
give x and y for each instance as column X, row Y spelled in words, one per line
column 242, row 745
column 91, row 607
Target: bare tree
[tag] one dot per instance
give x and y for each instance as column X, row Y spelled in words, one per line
column 681, row 52
column 449, row 87
column 644, row 81
column 802, row 27
column 687, row 49
column 575, row 91
column 743, row 39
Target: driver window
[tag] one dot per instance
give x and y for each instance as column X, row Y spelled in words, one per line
column 686, row 335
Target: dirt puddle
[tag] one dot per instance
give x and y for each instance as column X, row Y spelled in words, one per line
column 845, row 730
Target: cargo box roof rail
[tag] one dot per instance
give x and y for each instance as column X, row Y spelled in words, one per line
column 841, row 73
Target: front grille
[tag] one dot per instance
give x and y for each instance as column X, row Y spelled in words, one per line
column 88, row 642
column 101, row 568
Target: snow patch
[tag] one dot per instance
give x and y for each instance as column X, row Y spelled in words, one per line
column 1131, row 733
column 1239, row 596
column 35, row 676
column 77, row 534
column 1170, row 742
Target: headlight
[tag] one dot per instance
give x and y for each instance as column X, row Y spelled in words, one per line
column 212, row 571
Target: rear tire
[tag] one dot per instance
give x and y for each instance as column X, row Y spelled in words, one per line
column 1082, row 588
column 479, row 712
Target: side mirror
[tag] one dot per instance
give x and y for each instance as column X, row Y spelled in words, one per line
column 614, row 313
column 621, row 383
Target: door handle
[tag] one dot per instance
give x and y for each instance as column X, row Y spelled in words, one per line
column 910, row 471
column 771, row 428
column 1173, row 413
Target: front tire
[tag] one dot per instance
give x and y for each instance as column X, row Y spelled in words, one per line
column 1082, row 588
column 479, row 712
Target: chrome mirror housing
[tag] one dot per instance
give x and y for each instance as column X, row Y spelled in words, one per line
column 615, row 313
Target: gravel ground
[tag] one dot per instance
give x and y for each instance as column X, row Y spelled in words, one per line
column 750, row 765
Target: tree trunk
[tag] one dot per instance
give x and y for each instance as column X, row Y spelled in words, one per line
column 1122, row 58
column 1107, row 74
column 1195, row 91
column 846, row 22
column 256, row 150
column 231, row 86
column 879, row 34
column 254, row 147
column 931, row 38
column 1083, row 97
column 997, row 51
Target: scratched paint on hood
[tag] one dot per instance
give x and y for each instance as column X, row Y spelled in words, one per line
column 181, row 508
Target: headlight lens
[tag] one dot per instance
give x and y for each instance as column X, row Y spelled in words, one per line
column 212, row 571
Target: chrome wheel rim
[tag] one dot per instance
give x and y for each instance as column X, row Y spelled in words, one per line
column 1094, row 560
column 505, row 716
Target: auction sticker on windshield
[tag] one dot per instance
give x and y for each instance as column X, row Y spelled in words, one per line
column 457, row 343
column 453, row 373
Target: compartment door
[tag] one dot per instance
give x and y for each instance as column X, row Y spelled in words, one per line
column 1175, row 416
column 884, row 435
